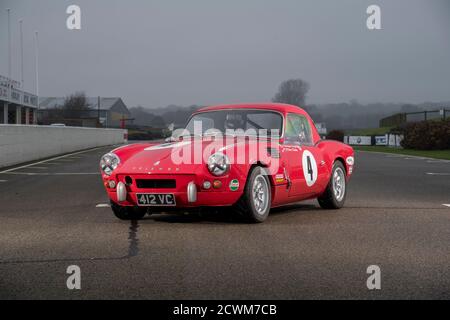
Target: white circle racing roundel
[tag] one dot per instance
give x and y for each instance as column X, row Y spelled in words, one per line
column 309, row 168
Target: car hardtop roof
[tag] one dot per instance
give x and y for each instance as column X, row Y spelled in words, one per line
column 280, row 107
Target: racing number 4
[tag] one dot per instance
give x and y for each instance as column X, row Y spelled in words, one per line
column 309, row 167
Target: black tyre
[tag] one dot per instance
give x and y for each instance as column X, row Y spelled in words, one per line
column 128, row 213
column 336, row 191
column 255, row 203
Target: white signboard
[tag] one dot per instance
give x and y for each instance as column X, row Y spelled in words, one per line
column 360, row 140
column 394, row 140
column 381, row 140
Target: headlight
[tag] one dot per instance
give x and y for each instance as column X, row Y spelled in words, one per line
column 218, row 164
column 109, row 163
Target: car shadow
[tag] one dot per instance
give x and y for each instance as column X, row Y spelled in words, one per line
column 205, row 216
column 224, row 216
column 293, row 207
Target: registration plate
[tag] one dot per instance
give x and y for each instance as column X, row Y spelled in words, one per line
column 155, row 199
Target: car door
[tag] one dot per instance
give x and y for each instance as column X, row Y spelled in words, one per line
column 303, row 160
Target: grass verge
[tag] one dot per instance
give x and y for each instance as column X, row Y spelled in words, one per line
column 436, row 154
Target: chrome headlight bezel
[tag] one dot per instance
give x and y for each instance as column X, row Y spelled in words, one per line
column 218, row 164
column 109, row 162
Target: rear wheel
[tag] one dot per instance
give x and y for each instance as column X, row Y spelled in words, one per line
column 334, row 195
column 255, row 203
column 128, row 213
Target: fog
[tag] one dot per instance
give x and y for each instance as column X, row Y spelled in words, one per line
column 198, row 52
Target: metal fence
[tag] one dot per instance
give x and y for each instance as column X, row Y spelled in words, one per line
column 427, row 115
column 401, row 118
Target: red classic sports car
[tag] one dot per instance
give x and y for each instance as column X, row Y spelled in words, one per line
column 251, row 157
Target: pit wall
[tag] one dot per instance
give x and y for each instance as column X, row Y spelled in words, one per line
column 24, row 143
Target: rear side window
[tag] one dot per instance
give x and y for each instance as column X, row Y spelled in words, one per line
column 298, row 129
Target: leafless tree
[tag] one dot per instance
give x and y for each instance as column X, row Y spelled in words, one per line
column 75, row 105
column 293, row 92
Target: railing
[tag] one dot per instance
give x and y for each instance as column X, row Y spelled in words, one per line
column 401, row 118
column 427, row 115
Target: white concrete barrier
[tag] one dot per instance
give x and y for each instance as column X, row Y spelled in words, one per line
column 19, row 144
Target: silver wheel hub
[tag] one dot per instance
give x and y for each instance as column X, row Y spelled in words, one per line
column 339, row 184
column 260, row 194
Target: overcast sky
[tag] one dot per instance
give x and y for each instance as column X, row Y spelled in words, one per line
column 161, row 52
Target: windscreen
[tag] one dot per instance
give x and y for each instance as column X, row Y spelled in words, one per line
column 236, row 121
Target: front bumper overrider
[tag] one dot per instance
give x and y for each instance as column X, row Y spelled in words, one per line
column 188, row 192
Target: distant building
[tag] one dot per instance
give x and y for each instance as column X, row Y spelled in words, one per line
column 16, row 105
column 111, row 113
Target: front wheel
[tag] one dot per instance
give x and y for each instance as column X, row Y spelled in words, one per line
column 128, row 213
column 334, row 195
column 257, row 198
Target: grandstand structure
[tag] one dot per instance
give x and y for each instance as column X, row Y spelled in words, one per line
column 16, row 105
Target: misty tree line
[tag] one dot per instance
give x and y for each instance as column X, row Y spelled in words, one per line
column 343, row 116
column 353, row 115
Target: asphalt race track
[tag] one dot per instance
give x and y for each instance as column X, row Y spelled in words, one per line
column 54, row 214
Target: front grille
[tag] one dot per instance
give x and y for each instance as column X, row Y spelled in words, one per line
column 156, row 183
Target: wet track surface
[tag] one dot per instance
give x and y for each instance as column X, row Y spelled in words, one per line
column 52, row 215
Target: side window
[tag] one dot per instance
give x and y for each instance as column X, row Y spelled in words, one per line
column 298, row 129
